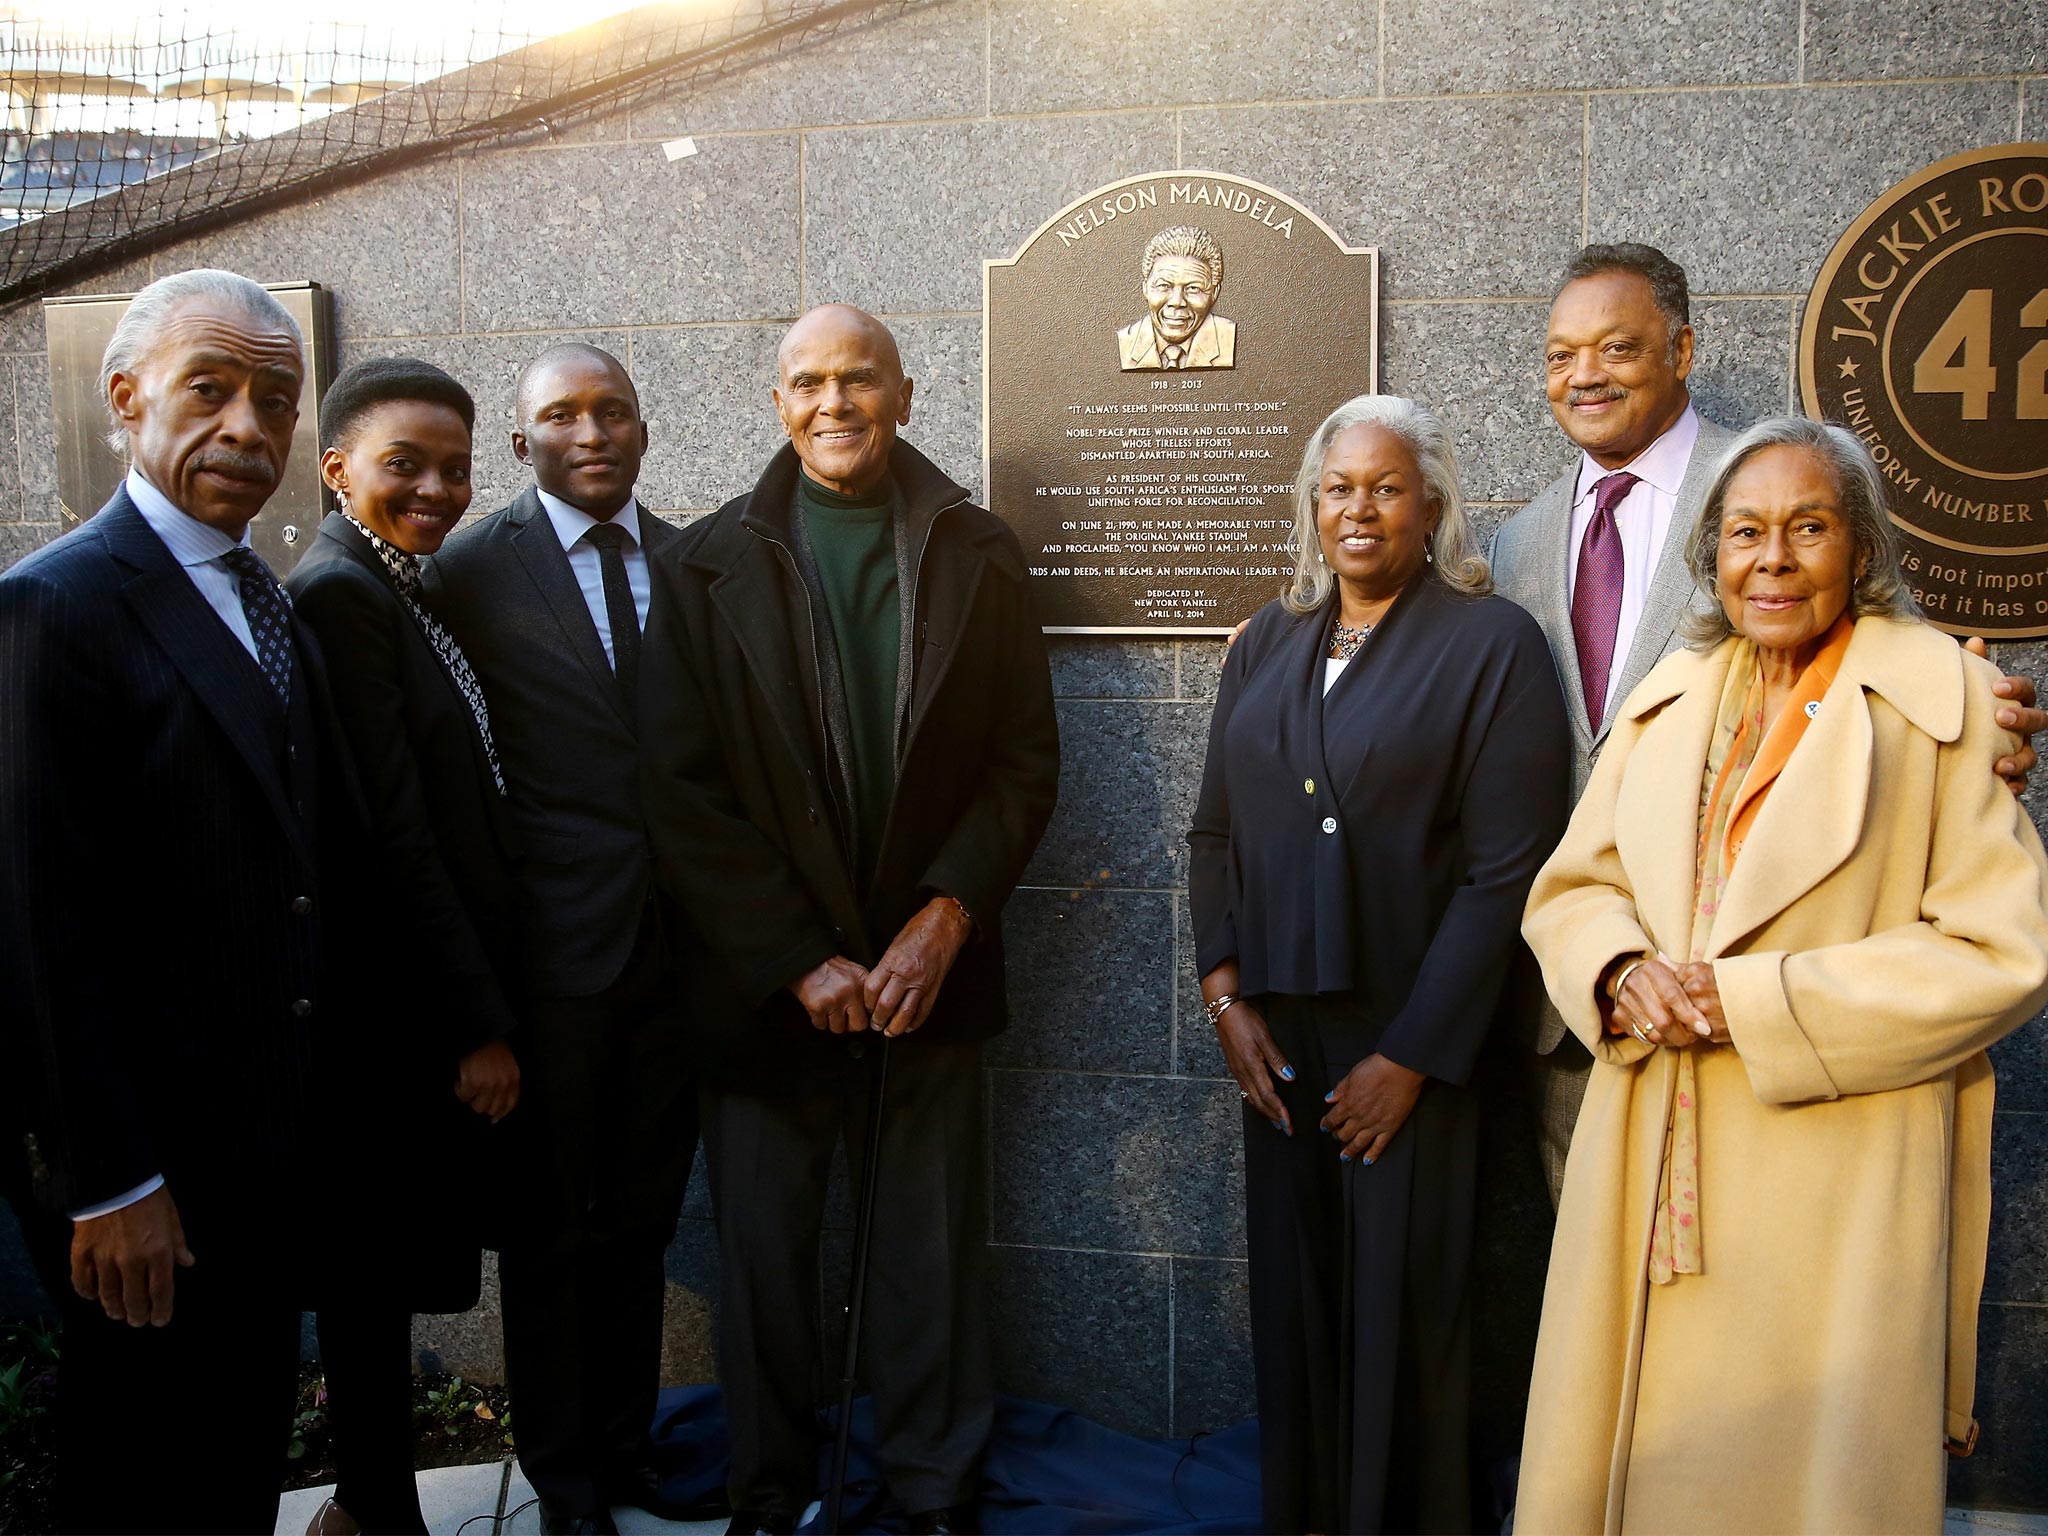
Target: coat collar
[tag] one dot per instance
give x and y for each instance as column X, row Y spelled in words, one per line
column 925, row 488
column 350, row 538
column 1814, row 817
column 1911, row 665
column 750, row 557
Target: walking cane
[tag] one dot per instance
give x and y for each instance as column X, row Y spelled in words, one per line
column 863, row 1237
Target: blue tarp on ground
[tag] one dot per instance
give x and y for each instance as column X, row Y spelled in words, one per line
column 1049, row 1471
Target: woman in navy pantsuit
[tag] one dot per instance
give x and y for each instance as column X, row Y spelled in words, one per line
column 1387, row 770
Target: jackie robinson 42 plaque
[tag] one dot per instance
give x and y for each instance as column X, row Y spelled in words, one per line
column 1927, row 336
column 1154, row 359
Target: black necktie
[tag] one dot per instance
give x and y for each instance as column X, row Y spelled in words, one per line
column 620, row 610
column 269, row 613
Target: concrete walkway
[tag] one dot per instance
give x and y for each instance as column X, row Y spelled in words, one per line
column 481, row 1498
column 475, row 1501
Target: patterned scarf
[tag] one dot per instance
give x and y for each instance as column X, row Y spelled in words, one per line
column 404, row 571
column 1675, row 1244
column 1744, row 760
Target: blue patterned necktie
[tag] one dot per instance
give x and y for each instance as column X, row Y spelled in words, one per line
column 269, row 612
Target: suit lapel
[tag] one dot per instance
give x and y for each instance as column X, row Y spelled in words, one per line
column 1809, row 823
column 1671, row 588
column 1550, row 534
column 1657, row 816
column 202, row 648
column 345, row 533
column 541, row 552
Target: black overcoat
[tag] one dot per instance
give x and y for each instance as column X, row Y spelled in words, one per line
column 747, row 833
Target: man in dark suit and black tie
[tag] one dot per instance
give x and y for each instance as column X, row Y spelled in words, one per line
column 174, row 807
column 549, row 597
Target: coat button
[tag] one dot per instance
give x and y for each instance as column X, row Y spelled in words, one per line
column 301, row 905
column 1308, row 786
column 301, row 1007
column 1329, row 823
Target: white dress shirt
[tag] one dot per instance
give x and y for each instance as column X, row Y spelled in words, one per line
column 570, row 525
column 1644, row 519
column 199, row 548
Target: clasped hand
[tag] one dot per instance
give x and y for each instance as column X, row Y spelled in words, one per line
column 896, row 997
column 1368, row 1107
column 1665, row 1004
column 487, row 1080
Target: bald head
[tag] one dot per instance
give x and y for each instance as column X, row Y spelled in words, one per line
column 833, row 322
column 841, row 394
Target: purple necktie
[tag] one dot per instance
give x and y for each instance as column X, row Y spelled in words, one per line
column 1596, row 595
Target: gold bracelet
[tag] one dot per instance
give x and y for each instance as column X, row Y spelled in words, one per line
column 1621, row 976
column 1221, row 1006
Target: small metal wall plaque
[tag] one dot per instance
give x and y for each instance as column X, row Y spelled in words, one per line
column 88, row 469
column 1927, row 336
column 1154, row 360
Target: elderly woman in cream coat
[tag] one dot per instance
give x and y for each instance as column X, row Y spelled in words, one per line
column 1789, row 915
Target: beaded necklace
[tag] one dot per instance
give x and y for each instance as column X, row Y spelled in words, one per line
column 1345, row 641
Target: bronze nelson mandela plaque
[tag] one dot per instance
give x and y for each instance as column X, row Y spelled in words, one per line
column 1155, row 358
column 1927, row 336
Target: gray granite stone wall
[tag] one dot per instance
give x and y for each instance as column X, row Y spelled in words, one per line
column 1476, row 143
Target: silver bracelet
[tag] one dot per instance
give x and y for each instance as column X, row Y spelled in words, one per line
column 1221, row 1006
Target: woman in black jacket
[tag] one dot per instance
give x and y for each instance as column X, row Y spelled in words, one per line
column 1387, row 769
column 430, row 1070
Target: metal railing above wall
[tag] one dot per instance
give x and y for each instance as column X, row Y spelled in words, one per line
column 123, row 132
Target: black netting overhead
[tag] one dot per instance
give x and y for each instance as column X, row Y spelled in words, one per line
column 127, row 119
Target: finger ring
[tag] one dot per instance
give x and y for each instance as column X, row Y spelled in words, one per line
column 1637, row 1031
column 1243, row 1095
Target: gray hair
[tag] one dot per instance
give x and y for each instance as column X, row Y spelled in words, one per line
column 136, row 333
column 1185, row 240
column 1457, row 561
column 1881, row 589
column 1665, row 277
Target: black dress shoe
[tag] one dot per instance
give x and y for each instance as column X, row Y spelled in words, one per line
column 751, row 1522
column 640, row 1488
column 958, row 1521
column 589, row 1522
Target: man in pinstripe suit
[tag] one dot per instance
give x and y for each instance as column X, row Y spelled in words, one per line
column 173, row 806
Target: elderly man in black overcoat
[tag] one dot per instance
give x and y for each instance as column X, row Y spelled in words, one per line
column 868, row 758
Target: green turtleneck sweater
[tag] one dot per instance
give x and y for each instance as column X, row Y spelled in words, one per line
column 853, row 545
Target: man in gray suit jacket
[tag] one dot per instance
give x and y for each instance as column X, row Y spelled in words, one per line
column 1598, row 557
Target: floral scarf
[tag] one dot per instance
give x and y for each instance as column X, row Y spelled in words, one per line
column 404, row 571
column 1744, row 760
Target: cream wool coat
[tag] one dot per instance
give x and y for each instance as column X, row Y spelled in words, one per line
column 1887, row 920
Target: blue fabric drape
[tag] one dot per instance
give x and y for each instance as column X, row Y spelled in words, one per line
column 1049, row 1470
